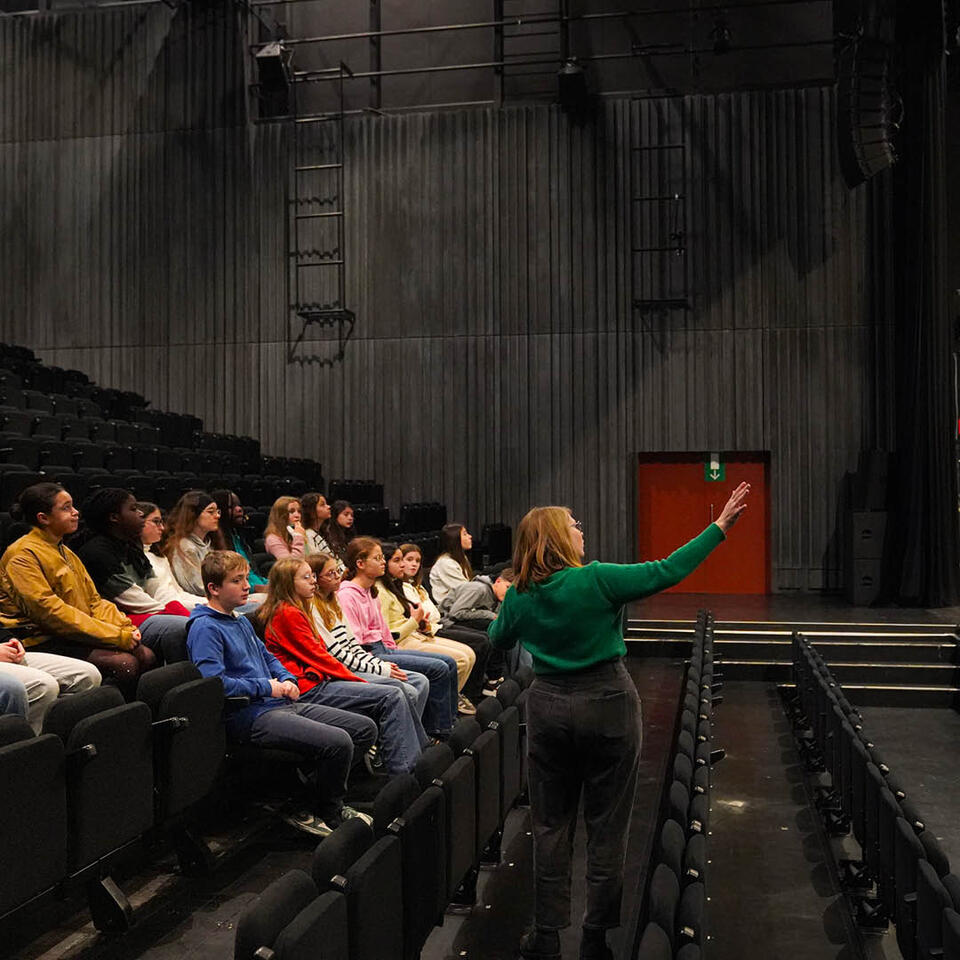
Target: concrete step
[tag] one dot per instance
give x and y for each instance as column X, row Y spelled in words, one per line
column 899, row 695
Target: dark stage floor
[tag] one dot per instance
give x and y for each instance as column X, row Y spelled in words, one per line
column 782, row 607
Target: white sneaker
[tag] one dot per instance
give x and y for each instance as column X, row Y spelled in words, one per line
column 306, row 822
column 348, row 813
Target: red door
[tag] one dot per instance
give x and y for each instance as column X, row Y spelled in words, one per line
column 676, row 500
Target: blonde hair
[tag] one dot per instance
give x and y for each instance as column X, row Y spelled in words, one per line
column 281, row 590
column 279, row 518
column 543, row 546
column 218, row 565
column 327, row 607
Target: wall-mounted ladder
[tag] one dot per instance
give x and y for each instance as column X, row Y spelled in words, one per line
column 658, row 213
column 316, row 247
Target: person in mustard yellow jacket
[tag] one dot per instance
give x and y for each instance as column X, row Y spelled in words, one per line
column 49, row 602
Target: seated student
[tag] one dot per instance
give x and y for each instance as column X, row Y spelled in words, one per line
column 114, row 557
column 477, row 602
column 479, row 599
column 292, row 637
column 168, row 589
column 49, row 602
column 342, row 644
column 357, row 596
column 30, row 682
column 230, row 534
column 226, row 646
column 186, row 539
column 489, row 661
column 316, row 512
column 284, row 535
column 452, row 568
column 409, row 622
column 337, row 529
column 13, row 694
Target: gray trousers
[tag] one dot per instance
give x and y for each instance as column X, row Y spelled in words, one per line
column 46, row 676
column 583, row 737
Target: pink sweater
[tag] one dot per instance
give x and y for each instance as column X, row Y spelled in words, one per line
column 275, row 545
column 364, row 614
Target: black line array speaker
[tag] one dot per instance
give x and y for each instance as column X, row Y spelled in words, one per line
column 869, row 107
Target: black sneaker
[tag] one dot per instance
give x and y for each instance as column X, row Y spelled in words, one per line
column 490, row 687
column 540, row 944
column 373, row 761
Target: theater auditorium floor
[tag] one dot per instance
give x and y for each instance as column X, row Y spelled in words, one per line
column 195, row 919
column 771, row 892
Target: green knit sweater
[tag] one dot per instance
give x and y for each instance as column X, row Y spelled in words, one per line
column 572, row 620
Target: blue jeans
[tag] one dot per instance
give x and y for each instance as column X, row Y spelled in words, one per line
column 13, row 696
column 388, row 706
column 416, row 688
column 166, row 635
column 327, row 735
column 441, row 671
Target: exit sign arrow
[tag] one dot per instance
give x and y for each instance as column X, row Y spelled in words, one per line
column 713, row 470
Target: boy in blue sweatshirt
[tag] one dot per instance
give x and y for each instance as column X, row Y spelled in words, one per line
column 223, row 645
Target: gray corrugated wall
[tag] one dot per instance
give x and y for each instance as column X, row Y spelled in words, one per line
column 496, row 361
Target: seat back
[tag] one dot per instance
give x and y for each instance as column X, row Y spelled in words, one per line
column 373, row 885
column 932, row 900
column 691, row 913
column 460, row 802
column 663, row 900
column 950, row 928
column 264, row 919
column 109, row 770
column 672, row 846
column 485, row 751
column 908, row 851
column 340, row 851
column 510, row 759
column 189, row 755
column 318, row 932
column 32, row 785
column 395, row 796
column 422, row 830
column 654, row 944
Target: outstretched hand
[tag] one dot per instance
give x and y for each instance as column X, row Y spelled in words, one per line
column 734, row 507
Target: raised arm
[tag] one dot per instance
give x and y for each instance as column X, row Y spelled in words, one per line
column 633, row 581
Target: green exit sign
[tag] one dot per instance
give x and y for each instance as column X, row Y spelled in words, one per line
column 713, row 470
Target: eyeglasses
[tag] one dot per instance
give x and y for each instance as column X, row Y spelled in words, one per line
column 378, row 558
column 331, row 575
column 159, row 521
column 308, row 576
column 578, row 525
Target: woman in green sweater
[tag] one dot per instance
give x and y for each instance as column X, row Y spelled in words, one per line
column 583, row 713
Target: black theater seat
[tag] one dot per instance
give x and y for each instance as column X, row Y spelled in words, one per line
column 31, row 787
column 109, row 779
column 266, row 917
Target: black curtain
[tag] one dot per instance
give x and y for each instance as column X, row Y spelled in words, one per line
column 924, row 559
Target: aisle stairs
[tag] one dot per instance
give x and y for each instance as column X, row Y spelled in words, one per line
column 879, row 664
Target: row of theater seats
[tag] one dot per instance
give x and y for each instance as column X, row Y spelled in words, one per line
column 902, row 875
column 676, row 898
column 102, row 777
column 375, row 894
column 356, row 491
